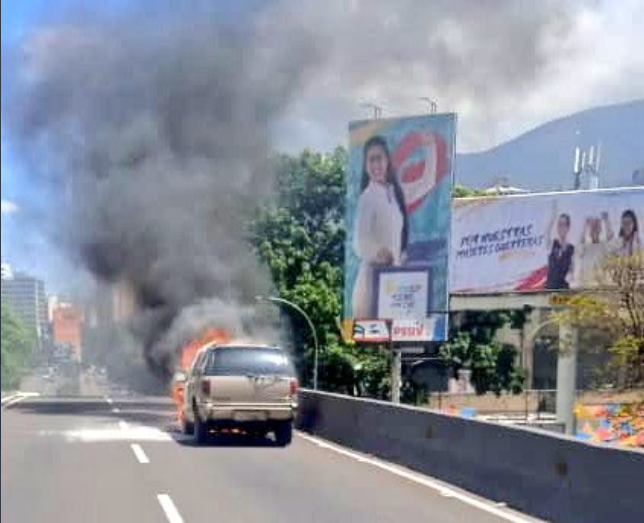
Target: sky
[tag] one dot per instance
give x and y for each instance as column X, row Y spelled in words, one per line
column 527, row 64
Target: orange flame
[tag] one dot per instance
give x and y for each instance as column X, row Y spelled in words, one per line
column 188, row 354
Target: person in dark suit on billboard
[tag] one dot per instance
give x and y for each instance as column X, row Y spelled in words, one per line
column 381, row 225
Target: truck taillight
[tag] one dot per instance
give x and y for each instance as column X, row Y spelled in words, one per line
column 205, row 387
column 293, row 389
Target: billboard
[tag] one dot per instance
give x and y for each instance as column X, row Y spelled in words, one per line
column 398, row 217
column 534, row 242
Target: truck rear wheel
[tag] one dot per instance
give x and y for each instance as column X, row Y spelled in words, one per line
column 284, row 433
column 187, row 427
column 200, row 429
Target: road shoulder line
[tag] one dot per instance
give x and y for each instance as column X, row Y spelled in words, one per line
column 417, row 477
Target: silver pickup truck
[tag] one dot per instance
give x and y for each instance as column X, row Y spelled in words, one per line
column 252, row 387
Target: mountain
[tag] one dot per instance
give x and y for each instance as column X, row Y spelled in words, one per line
column 542, row 159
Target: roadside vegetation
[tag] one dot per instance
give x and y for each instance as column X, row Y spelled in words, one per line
column 18, row 344
column 300, row 237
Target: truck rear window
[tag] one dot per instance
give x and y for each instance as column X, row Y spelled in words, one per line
column 240, row 361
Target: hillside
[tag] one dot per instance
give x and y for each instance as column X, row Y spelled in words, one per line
column 542, row 159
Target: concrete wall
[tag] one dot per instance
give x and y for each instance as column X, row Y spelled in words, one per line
column 549, row 476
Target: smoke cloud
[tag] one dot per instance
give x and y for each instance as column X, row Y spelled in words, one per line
column 152, row 142
column 150, row 134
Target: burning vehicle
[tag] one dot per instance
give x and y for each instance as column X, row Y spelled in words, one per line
column 186, row 359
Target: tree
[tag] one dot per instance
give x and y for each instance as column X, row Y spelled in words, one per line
column 616, row 308
column 300, row 237
column 18, row 344
column 472, row 345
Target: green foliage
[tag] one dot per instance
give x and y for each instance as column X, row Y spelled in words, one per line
column 300, row 237
column 460, row 191
column 618, row 309
column 373, row 377
column 18, row 345
column 472, row 346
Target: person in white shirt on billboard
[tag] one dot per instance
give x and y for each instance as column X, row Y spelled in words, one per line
column 592, row 253
column 381, row 226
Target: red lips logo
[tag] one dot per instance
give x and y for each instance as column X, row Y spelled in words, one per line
column 421, row 163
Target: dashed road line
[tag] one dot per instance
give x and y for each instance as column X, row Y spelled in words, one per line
column 116, row 410
column 169, row 508
column 139, row 453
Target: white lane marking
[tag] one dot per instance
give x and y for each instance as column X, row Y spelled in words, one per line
column 169, row 508
column 96, row 435
column 138, row 452
column 8, row 398
column 109, row 400
column 116, row 410
column 421, row 480
column 19, row 396
column 123, row 425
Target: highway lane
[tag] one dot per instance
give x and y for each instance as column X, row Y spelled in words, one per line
column 73, row 459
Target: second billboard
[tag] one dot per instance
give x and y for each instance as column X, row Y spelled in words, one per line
column 398, row 220
column 537, row 242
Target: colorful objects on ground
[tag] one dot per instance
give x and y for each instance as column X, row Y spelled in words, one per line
column 611, row 423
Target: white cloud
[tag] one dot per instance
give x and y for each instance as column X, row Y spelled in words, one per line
column 9, row 207
column 504, row 67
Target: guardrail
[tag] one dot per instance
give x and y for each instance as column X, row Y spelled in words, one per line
column 549, row 476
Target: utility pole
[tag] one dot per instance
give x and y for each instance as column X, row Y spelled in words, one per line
column 433, row 107
column 308, row 320
column 587, row 163
column 377, row 110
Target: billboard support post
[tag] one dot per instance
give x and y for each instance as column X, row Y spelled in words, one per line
column 396, row 375
column 567, row 378
column 396, row 365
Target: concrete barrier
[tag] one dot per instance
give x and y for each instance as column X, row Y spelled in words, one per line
column 553, row 477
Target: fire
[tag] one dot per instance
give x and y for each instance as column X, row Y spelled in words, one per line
column 188, row 353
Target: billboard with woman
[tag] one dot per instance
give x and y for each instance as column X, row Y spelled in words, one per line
column 536, row 242
column 398, row 220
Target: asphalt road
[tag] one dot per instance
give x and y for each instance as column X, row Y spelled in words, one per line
column 105, row 459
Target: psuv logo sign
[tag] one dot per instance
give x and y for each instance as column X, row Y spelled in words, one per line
column 412, row 330
column 370, row 331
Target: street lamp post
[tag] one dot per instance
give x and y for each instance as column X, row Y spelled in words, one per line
column 299, row 309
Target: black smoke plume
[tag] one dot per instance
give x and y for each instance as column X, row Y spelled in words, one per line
column 152, row 141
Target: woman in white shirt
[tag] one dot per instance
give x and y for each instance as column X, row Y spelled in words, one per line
column 592, row 253
column 381, row 226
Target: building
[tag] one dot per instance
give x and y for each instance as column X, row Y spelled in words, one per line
column 67, row 327
column 26, row 296
column 501, row 185
column 113, row 303
column 638, row 176
column 52, row 303
column 6, row 271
